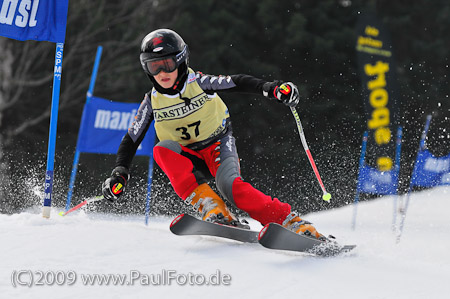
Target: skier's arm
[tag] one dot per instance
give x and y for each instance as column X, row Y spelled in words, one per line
column 286, row 93
column 127, row 149
column 114, row 186
column 135, row 135
column 233, row 83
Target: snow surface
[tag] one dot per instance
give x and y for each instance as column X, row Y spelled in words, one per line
column 90, row 243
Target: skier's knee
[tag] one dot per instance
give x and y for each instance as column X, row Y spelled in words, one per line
column 225, row 176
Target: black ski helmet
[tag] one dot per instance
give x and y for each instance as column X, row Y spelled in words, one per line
column 164, row 43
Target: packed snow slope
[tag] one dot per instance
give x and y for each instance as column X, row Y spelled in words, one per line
column 83, row 244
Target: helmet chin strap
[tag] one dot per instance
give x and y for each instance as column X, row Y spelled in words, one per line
column 175, row 85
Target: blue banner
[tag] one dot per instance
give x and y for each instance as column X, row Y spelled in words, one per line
column 373, row 181
column 105, row 123
column 41, row 20
column 430, row 171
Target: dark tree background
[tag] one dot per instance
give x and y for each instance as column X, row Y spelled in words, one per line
column 311, row 43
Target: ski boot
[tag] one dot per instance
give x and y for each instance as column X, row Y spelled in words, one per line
column 212, row 207
column 299, row 226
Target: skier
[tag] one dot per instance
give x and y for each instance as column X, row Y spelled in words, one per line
column 196, row 139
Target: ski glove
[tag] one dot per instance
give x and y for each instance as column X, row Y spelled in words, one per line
column 286, row 93
column 114, row 186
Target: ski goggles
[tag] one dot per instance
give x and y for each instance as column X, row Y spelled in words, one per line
column 167, row 64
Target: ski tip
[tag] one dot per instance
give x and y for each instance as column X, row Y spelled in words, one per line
column 331, row 249
column 61, row 213
column 178, row 218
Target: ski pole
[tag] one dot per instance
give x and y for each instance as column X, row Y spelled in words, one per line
column 326, row 196
column 96, row 198
column 422, row 146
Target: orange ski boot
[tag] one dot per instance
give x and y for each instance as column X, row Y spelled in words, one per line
column 299, row 226
column 211, row 206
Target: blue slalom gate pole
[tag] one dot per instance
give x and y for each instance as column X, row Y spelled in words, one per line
column 149, row 189
column 98, row 56
column 72, row 178
column 150, row 173
column 358, row 185
column 57, row 72
column 397, row 173
column 77, row 151
column 421, row 147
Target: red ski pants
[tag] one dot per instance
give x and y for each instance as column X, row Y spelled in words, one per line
column 187, row 169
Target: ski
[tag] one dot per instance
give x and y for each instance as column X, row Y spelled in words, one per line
column 275, row 236
column 186, row 224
